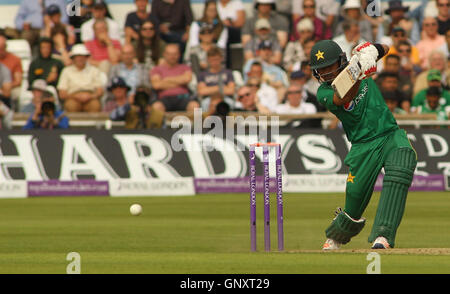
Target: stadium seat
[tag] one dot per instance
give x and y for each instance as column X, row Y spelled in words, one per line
column 21, row 48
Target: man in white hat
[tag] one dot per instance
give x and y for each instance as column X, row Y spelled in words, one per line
column 80, row 85
column 352, row 10
column 39, row 89
column 266, row 9
column 263, row 32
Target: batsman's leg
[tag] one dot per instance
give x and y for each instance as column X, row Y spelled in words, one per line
column 399, row 170
column 365, row 165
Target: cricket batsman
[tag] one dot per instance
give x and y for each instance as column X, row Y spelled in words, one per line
column 377, row 142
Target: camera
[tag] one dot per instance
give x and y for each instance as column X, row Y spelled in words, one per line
column 48, row 108
column 141, row 99
column 222, row 109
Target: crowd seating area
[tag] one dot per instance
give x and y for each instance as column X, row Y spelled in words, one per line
column 139, row 64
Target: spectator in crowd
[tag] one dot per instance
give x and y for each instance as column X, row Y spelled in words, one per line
column 196, row 56
column 399, row 39
column 262, row 33
column 61, row 47
column 39, row 89
column 397, row 13
column 389, row 82
column 215, row 80
column 232, row 14
column 443, row 17
column 307, row 47
column 393, row 102
column 210, row 17
column 47, row 116
column 134, row 74
column 437, row 60
column 80, row 86
column 312, row 84
column 321, row 31
column 264, row 94
column 432, row 105
column 267, row 9
column 52, row 18
column 430, row 41
column 434, row 80
column 325, row 10
column 119, row 102
column 247, row 100
column 5, row 85
column 6, row 116
column 295, row 52
column 135, row 19
column 29, row 20
column 174, row 18
column 299, row 78
column 136, row 115
column 352, row 10
column 272, row 73
column 105, row 51
column 392, row 64
column 294, row 102
column 170, row 80
column 350, row 38
column 14, row 64
column 141, row 114
column 149, row 47
column 45, row 66
column 99, row 12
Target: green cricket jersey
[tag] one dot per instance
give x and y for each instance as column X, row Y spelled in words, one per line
column 366, row 117
column 439, row 111
column 421, row 97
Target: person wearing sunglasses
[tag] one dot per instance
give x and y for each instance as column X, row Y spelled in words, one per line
column 431, row 40
column 149, row 46
column 443, row 18
column 135, row 19
column 294, row 102
column 399, row 38
column 248, row 101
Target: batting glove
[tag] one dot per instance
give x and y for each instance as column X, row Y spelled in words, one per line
column 366, row 48
column 368, row 66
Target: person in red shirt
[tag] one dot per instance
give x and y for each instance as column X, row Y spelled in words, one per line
column 14, row 64
column 105, row 51
column 170, row 80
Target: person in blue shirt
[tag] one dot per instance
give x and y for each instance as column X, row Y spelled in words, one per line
column 47, row 116
column 30, row 18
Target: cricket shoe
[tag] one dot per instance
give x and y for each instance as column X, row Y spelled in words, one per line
column 381, row 243
column 330, row 244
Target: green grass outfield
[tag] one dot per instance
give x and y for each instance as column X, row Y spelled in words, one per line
column 209, row 234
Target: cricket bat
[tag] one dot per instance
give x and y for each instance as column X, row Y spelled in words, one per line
column 347, row 78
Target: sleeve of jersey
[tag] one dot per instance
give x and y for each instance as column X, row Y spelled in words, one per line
column 325, row 97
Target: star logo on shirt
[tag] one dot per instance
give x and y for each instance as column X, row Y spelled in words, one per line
column 350, row 178
column 319, row 55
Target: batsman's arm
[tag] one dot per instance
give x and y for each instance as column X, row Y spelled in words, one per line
column 348, row 97
column 382, row 50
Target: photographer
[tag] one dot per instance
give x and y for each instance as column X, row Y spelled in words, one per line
column 46, row 116
column 137, row 114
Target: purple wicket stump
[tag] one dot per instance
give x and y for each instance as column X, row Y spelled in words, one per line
column 266, row 183
column 266, row 199
column 279, row 199
column 252, row 199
